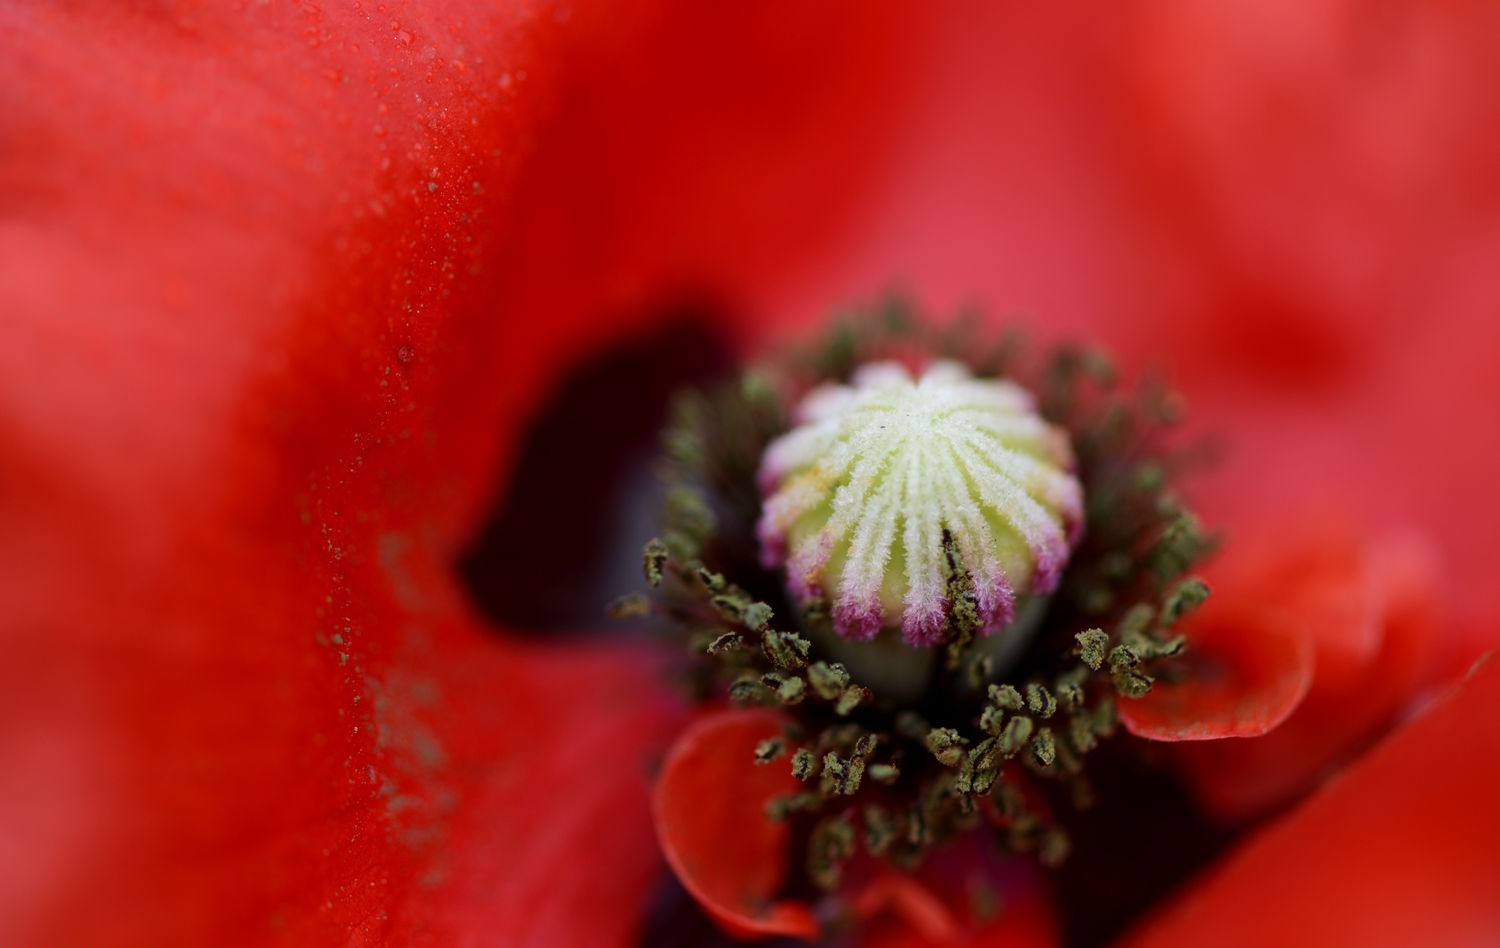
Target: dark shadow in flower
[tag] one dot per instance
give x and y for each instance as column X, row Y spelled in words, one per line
column 566, row 534
column 1143, row 839
column 676, row 920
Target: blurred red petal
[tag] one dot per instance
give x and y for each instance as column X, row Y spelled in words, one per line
column 1296, row 614
column 705, row 152
column 913, row 905
column 1402, row 849
column 1003, row 190
column 710, row 805
column 960, row 900
column 1343, row 712
column 550, row 844
column 1320, row 178
column 1316, row 579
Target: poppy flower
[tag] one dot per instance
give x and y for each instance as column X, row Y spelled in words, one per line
column 284, row 284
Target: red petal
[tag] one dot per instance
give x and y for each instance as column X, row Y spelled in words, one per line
column 960, row 901
column 1245, row 677
column 238, row 242
column 246, row 415
column 1000, row 190
column 914, row 905
column 1294, row 613
column 550, row 843
column 412, row 782
column 1403, row 849
column 1341, row 267
column 1339, row 717
column 710, row 805
column 727, row 185
column 1315, row 579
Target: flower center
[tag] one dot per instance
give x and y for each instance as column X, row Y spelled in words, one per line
column 817, row 567
column 937, row 500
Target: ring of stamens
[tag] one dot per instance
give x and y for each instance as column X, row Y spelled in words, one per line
column 980, row 746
